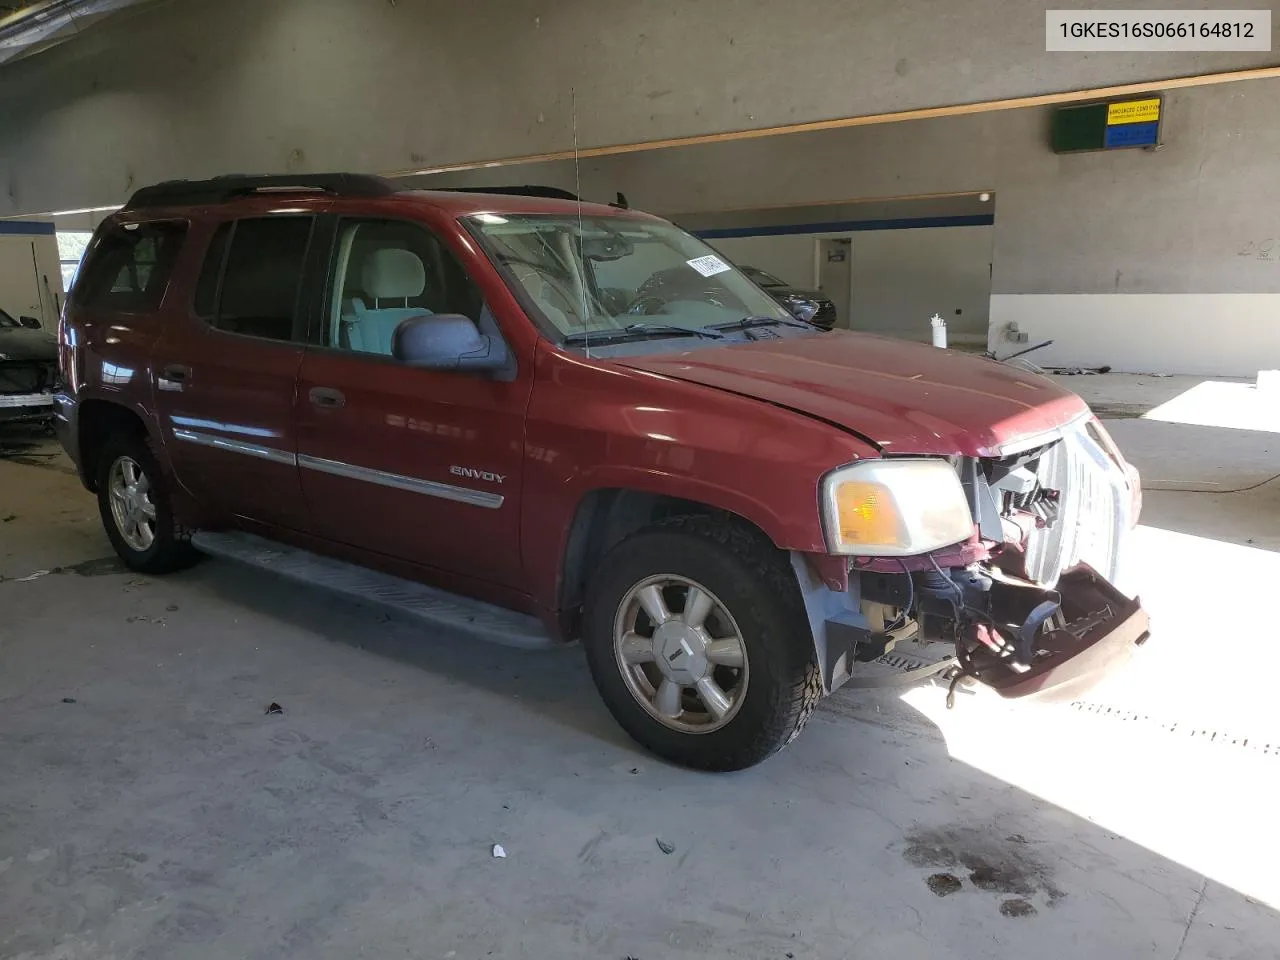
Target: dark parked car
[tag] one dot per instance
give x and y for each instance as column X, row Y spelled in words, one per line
column 821, row 309
column 28, row 370
column 505, row 414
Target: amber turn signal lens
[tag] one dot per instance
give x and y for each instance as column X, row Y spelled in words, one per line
column 894, row 507
column 867, row 514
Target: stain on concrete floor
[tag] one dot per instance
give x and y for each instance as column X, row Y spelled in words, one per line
column 997, row 862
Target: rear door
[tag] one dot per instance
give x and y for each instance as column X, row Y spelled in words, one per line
column 227, row 365
column 416, row 464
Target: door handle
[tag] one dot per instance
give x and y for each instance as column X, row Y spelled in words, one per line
column 177, row 372
column 326, row 397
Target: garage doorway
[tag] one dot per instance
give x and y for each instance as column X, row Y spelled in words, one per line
column 835, row 275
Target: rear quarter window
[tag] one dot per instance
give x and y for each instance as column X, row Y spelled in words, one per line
column 128, row 267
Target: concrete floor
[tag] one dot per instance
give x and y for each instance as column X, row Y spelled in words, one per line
column 162, row 814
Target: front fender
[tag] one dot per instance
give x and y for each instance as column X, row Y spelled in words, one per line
column 592, row 426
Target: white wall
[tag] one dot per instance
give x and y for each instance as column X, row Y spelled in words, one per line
column 30, row 274
column 1197, row 333
column 902, row 277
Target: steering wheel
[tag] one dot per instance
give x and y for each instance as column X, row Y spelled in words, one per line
column 645, row 305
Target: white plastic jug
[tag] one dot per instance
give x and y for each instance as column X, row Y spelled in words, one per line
column 939, row 331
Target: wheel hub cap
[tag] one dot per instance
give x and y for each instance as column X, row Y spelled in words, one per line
column 681, row 653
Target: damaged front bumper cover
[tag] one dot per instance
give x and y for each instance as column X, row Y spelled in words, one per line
column 1054, row 644
column 1014, row 636
column 26, row 407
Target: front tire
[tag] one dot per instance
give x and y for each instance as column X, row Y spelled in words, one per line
column 698, row 644
column 136, row 505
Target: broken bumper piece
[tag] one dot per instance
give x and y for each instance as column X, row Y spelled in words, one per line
column 24, row 407
column 1051, row 644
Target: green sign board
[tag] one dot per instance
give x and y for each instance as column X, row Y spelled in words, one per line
column 1114, row 125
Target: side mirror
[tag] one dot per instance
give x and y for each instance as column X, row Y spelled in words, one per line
column 804, row 310
column 445, row 341
column 31, row 323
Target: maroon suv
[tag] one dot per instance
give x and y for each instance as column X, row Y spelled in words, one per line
column 542, row 420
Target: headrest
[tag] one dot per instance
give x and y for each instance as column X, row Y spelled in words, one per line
column 393, row 274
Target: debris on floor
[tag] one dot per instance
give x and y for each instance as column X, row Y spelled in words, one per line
column 498, row 852
column 68, row 699
column 158, row 621
column 10, row 517
column 34, row 576
column 943, row 884
column 273, row 709
column 1077, row 371
column 1016, row 908
column 667, row 848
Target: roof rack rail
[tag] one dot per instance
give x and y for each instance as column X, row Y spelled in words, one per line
column 529, row 190
column 174, row 193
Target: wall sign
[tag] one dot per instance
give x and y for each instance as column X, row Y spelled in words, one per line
column 1107, row 126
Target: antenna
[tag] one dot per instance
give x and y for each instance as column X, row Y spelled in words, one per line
column 577, row 189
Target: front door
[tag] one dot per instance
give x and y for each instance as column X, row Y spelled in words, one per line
column 226, row 369
column 415, row 464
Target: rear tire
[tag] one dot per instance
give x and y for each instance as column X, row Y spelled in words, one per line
column 736, row 703
column 135, row 501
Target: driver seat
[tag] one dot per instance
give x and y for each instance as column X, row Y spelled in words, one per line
column 388, row 274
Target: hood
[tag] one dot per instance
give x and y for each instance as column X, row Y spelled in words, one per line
column 903, row 397
column 19, row 343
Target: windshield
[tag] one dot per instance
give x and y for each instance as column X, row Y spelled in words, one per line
column 607, row 274
column 762, row 278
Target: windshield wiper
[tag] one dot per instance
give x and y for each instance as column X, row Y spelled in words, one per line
column 747, row 323
column 634, row 330
column 645, row 326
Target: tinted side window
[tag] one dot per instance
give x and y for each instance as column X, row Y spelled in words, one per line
column 258, row 295
column 207, row 286
column 128, row 269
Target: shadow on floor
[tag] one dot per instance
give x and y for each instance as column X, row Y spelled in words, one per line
column 557, row 682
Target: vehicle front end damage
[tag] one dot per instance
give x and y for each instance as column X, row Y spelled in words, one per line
column 1026, row 599
column 26, row 390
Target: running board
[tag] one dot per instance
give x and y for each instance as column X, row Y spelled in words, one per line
column 430, row 605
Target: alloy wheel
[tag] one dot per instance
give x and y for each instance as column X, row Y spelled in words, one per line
column 133, row 506
column 681, row 653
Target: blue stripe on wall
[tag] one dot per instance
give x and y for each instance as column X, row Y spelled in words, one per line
column 849, row 226
column 25, row 228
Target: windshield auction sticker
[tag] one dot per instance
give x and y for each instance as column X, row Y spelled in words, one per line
column 1140, row 30
column 708, row 266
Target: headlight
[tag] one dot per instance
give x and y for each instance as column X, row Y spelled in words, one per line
column 894, row 508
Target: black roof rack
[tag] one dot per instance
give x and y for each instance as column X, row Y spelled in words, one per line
column 530, row 190
column 181, row 193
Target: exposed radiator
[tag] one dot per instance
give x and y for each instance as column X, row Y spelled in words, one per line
column 1090, row 519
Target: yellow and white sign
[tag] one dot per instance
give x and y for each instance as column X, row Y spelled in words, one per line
column 1133, row 111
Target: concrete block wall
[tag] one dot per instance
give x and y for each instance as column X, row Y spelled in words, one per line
column 1147, row 261
column 195, row 88
column 1159, row 260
